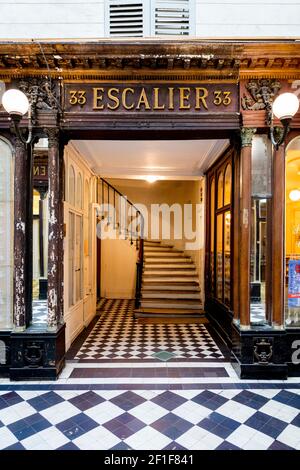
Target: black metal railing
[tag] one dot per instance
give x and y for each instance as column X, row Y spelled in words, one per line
column 121, row 215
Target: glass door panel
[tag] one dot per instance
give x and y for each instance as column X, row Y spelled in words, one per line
column 78, row 258
column 227, row 254
column 212, row 236
column 71, row 257
column 219, row 266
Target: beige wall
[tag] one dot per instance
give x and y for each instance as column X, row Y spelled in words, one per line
column 118, row 269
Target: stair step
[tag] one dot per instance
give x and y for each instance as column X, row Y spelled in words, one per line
column 170, row 273
column 178, row 260
column 171, row 311
column 150, row 318
column 157, row 295
column 157, row 246
column 168, row 267
column 161, row 250
column 170, row 280
column 169, row 254
column 179, row 304
column 166, row 288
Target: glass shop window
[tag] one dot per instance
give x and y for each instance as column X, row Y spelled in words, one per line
column 292, row 235
column 6, row 236
column 260, row 224
column 220, row 233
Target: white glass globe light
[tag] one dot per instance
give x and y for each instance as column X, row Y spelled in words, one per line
column 285, row 106
column 15, row 102
column 294, row 195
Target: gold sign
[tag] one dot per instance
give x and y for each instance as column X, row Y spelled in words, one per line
column 138, row 98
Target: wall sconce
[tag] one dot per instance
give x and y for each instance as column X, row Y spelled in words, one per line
column 285, row 107
column 16, row 104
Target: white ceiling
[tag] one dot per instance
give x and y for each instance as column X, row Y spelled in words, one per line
column 167, row 159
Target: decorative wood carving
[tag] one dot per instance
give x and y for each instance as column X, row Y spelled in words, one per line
column 247, row 134
column 42, row 95
column 260, row 96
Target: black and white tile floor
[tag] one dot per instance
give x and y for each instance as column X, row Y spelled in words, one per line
column 257, row 313
column 62, row 417
column 39, row 312
column 150, row 404
column 117, row 335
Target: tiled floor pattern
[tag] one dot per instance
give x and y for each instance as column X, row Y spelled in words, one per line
column 150, row 419
column 117, row 335
column 154, row 404
column 39, row 312
column 258, row 313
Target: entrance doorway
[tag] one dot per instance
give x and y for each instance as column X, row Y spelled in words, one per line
column 145, row 178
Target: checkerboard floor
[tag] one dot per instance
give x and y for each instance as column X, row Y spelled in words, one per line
column 257, row 313
column 117, row 335
column 39, row 312
column 149, row 405
column 150, row 419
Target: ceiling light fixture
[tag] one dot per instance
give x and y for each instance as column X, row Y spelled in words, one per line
column 151, row 178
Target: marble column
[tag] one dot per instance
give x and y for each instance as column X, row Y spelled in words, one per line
column 20, row 232
column 245, row 224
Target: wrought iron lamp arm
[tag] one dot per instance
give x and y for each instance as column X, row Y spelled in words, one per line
column 282, row 135
column 16, row 121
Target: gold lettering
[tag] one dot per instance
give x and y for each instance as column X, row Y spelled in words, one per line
column 218, row 97
column 97, row 99
column 171, row 98
column 124, row 97
column 36, row 171
column 143, row 100
column 43, row 171
column 184, row 95
column 222, row 97
column 81, row 97
column 113, row 98
column 201, row 95
column 156, row 100
column 73, row 97
column 77, row 97
column 227, row 98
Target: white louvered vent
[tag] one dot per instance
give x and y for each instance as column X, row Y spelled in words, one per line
column 126, row 18
column 172, row 18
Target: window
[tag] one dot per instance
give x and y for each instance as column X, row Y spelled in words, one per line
column 292, row 234
column 79, row 191
column 261, row 159
column 71, row 186
column 6, row 235
column 139, row 18
column 220, row 200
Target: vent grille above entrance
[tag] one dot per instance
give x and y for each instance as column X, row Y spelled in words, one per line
column 172, row 18
column 126, row 19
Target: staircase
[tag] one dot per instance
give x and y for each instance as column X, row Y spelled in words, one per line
column 170, row 290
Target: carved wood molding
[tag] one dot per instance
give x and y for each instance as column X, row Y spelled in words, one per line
column 92, row 59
